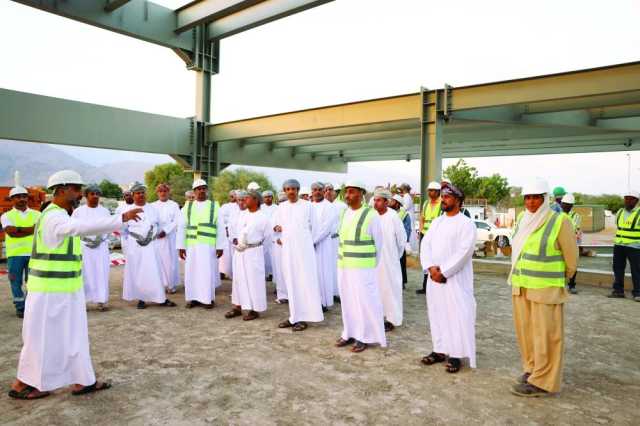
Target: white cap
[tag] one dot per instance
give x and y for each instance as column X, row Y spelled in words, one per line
column 445, row 180
column 536, row 186
column 632, row 193
column 434, row 185
column 305, row 190
column 64, row 177
column 568, row 199
column 198, row 182
column 356, row 184
column 18, row 190
column 398, row 198
column 253, row 186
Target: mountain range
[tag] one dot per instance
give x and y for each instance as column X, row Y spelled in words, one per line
column 37, row 161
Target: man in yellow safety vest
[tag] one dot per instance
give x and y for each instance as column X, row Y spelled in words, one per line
column 18, row 224
column 567, row 202
column 627, row 246
column 544, row 255
column 431, row 209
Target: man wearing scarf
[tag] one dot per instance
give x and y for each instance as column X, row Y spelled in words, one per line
column 446, row 253
column 544, row 255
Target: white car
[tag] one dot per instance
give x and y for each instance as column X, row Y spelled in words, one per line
column 489, row 232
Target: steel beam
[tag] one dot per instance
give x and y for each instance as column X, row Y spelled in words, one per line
column 35, row 118
column 114, row 4
column 259, row 14
column 140, row 19
column 432, row 122
column 205, row 11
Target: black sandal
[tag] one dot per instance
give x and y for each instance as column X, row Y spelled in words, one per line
column 285, row 324
column 92, row 388
column 233, row 313
column 433, row 358
column 168, row 303
column 24, row 393
column 299, row 326
column 342, row 342
column 453, row 366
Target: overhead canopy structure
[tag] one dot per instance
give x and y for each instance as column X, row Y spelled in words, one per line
column 581, row 111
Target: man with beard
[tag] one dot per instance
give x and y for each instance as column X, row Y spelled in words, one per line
column 268, row 208
column 446, row 255
column 123, row 206
column 169, row 212
column 294, row 225
column 359, row 253
column 95, row 251
column 396, row 204
column 430, row 210
column 18, row 224
column 227, row 211
column 56, row 351
column 201, row 243
column 143, row 280
column 326, row 218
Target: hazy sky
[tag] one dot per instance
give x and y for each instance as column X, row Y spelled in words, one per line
column 343, row 51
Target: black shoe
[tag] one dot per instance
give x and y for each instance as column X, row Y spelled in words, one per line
column 573, row 290
column 168, row 303
column 20, row 314
column 325, row 309
column 420, row 291
column 388, row 326
column 270, row 278
column 336, row 299
column 141, row 305
column 616, row 295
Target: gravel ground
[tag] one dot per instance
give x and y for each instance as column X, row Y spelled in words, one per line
column 177, row 366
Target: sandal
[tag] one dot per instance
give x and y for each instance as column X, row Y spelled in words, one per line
column 168, row 303
column 388, row 326
column 285, row 324
column 233, row 313
column 96, row 387
column 250, row 316
column 433, row 358
column 359, row 347
column 299, row 326
column 453, row 366
column 28, row 393
column 342, row 342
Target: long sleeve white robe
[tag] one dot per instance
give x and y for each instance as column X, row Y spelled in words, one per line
column 326, row 216
column 169, row 213
column 407, row 202
column 201, row 276
column 362, row 312
column 276, row 263
column 389, row 273
column 143, row 279
column 249, row 288
column 298, row 265
column 449, row 243
column 227, row 214
column 268, row 211
column 340, row 206
column 95, row 261
column 55, row 351
column 123, row 207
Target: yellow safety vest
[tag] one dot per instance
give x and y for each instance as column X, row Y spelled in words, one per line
column 57, row 270
column 628, row 230
column 402, row 213
column 20, row 246
column 429, row 212
column 541, row 264
column 575, row 220
column 356, row 247
column 202, row 225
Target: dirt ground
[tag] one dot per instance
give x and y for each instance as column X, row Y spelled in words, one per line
column 177, row 366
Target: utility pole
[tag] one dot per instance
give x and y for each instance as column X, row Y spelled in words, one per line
column 628, row 170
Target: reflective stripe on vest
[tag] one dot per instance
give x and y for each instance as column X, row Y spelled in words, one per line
column 541, row 264
column 628, row 231
column 402, row 213
column 429, row 213
column 356, row 248
column 57, row 270
column 202, row 225
column 575, row 220
column 20, row 246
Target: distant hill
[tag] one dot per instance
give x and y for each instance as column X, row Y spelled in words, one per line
column 37, row 161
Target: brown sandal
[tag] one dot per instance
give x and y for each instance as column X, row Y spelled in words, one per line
column 433, row 358
column 299, row 326
column 29, row 392
column 251, row 316
column 285, row 324
column 233, row 313
column 359, row 347
column 342, row 342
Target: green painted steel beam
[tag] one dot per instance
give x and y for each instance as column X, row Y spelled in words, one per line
column 140, row 19
column 36, row 118
column 261, row 13
column 261, row 155
column 114, row 4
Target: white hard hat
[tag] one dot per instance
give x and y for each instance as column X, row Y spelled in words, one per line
column 305, row 190
column 253, row 186
column 536, row 187
column 568, row 199
column 445, row 180
column 198, row 182
column 18, row 190
column 632, row 193
column 434, row 185
column 64, row 177
column 398, row 198
column 357, row 184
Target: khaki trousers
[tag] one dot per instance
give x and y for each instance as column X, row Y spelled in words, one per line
column 540, row 332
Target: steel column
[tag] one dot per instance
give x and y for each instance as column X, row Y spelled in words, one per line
column 431, row 123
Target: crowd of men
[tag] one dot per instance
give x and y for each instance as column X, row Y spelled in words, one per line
column 319, row 250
